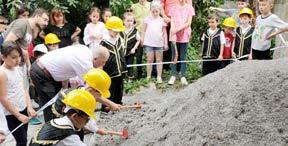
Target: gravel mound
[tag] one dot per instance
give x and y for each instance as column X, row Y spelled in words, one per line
column 244, row 104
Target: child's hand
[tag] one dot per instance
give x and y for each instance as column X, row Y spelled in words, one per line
column 31, row 112
column 271, row 36
column 250, row 56
column 98, row 37
column 167, row 19
column 133, row 51
column 234, row 55
column 166, row 47
column 23, row 119
column 2, row 137
column 220, row 57
column 115, row 107
column 175, row 59
column 212, row 8
column 142, row 42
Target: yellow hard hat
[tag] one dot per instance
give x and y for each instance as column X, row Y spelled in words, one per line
column 82, row 100
column 98, row 80
column 115, row 23
column 51, row 38
column 246, row 11
column 229, row 22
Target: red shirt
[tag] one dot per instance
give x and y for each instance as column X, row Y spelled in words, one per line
column 30, row 50
column 227, row 54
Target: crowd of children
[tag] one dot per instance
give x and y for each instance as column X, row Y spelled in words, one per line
column 111, row 45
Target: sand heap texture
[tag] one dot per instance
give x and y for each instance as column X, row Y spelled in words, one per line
column 243, row 104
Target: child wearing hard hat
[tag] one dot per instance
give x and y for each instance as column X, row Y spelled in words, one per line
column 243, row 37
column 52, row 41
column 115, row 65
column 97, row 83
column 234, row 12
column 229, row 25
column 63, row 131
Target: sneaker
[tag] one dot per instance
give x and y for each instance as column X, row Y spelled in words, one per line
column 34, row 121
column 172, row 80
column 159, row 80
column 184, row 81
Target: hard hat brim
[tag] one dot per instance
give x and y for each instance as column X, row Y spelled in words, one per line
column 105, row 94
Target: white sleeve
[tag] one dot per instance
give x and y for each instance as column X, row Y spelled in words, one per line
column 279, row 23
column 138, row 37
column 3, row 123
column 203, row 37
column 222, row 38
column 82, row 63
column 91, row 126
column 86, row 37
column 72, row 140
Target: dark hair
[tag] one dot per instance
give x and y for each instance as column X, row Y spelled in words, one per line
column 8, row 47
column 40, row 12
column 71, row 111
column 21, row 10
column 213, row 16
column 241, row 0
column 128, row 14
column 104, row 11
column 94, row 9
column 56, row 12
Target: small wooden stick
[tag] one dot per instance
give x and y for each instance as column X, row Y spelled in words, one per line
column 123, row 133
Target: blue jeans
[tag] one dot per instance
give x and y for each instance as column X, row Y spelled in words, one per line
column 182, row 53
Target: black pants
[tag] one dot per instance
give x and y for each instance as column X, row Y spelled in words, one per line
column 130, row 60
column 20, row 134
column 225, row 63
column 46, row 88
column 261, row 55
column 116, row 90
column 210, row 66
column 139, row 58
column 168, row 54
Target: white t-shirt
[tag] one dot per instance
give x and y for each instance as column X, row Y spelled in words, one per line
column 211, row 32
column 15, row 89
column 154, row 34
column 3, row 123
column 263, row 28
column 93, row 30
column 68, row 62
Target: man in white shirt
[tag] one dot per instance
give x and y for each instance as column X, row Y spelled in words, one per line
column 49, row 72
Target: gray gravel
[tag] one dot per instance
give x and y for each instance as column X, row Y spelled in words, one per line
column 244, row 104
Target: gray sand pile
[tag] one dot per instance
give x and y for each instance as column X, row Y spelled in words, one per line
column 243, row 104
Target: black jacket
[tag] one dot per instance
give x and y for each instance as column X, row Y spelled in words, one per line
column 243, row 42
column 211, row 44
column 50, row 134
column 116, row 64
column 129, row 40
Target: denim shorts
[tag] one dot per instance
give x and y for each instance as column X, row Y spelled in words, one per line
column 149, row 49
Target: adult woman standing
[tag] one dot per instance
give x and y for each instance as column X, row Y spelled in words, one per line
column 59, row 26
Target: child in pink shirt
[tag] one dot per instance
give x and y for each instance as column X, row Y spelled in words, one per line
column 95, row 30
column 181, row 17
column 168, row 5
column 155, row 38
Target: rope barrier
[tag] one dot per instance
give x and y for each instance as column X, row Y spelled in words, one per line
column 200, row 60
column 50, row 102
